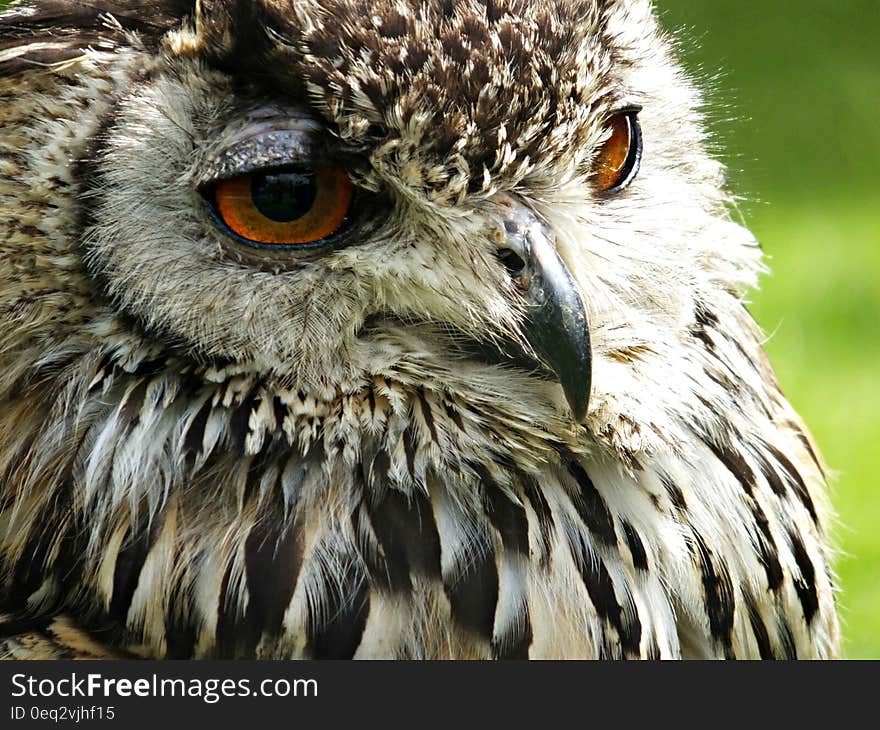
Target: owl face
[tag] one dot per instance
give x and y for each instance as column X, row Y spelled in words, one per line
column 327, row 191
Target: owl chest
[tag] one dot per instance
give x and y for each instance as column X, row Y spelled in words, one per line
column 414, row 531
column 477, row 563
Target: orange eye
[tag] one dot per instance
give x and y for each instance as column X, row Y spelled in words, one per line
column 618, row 161
column 288, row 207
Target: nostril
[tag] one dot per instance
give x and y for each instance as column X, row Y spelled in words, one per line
column 511, row 261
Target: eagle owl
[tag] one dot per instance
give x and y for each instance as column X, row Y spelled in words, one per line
column 371, row 328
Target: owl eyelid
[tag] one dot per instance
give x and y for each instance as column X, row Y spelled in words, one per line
column 271, row 151
column 209, row 184
column 627, row 109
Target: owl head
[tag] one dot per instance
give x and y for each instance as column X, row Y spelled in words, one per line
column 510, row 200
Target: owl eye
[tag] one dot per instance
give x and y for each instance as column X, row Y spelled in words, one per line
column 289, row 207
column 617, row 163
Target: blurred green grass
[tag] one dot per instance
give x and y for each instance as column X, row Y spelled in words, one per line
column 795, row 92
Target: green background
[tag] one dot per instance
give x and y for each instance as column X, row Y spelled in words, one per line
column 794, row 89
column 795, row 99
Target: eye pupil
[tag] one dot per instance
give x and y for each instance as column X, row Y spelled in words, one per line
column 291, row 207
column 284, row 197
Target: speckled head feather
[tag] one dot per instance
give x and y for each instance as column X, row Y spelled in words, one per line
column 501, row 412
column 452, row 99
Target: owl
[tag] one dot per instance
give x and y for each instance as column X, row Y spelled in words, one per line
column 384, row 329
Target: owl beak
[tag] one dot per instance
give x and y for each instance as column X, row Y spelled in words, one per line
column 556, row 325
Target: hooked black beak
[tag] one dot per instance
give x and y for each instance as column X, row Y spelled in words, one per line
column 556, row 325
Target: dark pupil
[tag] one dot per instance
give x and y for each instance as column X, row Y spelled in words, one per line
column 284, row 196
